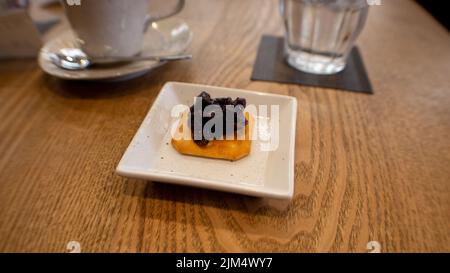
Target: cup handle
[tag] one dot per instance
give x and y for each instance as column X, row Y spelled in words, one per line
column 177, row 9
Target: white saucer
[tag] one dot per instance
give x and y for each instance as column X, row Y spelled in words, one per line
column 166, row 37
column 263, row 173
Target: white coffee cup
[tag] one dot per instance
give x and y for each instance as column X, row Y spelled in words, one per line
column 111, row 28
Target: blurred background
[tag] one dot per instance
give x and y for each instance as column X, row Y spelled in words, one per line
column 438, row 9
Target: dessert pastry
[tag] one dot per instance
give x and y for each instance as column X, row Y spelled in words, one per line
column 232, row 145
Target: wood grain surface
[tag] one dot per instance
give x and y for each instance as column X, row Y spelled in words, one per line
column 368, row 167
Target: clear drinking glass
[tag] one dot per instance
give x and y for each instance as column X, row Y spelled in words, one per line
column 321, row 33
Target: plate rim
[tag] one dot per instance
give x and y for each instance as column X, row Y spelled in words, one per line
column 43, row 64
column 263, row 191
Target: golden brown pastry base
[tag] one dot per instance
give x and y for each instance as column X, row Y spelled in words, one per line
column 220, row 149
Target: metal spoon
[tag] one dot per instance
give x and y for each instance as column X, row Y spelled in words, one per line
column 76, row 59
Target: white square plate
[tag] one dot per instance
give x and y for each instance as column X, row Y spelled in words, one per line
column 263, row 173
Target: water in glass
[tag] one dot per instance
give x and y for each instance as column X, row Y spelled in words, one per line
column 321, row 33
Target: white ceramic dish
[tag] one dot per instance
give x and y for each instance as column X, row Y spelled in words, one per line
column 171, row 36
column 151, row 156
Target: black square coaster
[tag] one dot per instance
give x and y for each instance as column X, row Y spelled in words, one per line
column 270, row 65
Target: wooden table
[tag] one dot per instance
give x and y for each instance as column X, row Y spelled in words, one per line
column 368, row 167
